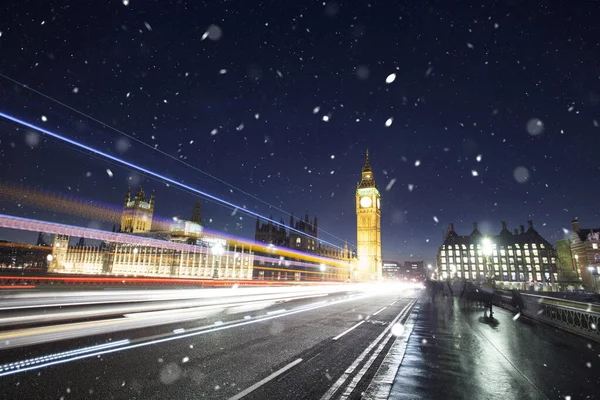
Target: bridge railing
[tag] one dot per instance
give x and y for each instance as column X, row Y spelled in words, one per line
column 580, row 318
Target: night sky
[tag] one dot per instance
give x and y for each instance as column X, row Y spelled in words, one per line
column 494, row 110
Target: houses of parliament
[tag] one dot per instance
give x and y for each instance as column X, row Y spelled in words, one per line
column 197, row 258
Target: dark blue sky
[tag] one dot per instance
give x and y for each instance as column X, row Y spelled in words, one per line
column 516, row 82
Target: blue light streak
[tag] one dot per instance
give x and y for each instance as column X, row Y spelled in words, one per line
column 153, row 174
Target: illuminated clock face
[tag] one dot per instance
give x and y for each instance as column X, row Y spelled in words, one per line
column 365, row 202
column 378, row 203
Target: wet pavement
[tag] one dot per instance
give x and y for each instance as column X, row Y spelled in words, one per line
column 453, row 352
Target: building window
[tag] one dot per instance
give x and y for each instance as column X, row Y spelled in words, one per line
column 457, row 253
column 495, row 260
column 450, row 260
column 472, row 252
column 545, row 260
column 443, row 253
column 465, row 260
column 594, row 246
column 533, row 246
column 535, row 252
column 464, row 247
column 510, row 252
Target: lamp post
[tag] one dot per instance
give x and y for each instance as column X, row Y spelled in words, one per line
column 217, row 251
column 591, row 270
column 487, row 248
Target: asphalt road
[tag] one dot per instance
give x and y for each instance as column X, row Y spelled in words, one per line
column 308, row 348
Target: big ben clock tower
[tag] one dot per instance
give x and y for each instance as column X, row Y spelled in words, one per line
column 368, row 224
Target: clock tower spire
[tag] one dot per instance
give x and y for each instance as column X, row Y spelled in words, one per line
column 368, row 224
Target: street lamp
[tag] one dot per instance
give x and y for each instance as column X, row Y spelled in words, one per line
column 217, row 250
column 487, row 248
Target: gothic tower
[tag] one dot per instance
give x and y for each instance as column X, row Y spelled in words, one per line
column 137, row 213
column 368, row 224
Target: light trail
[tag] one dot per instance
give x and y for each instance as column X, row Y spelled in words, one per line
column 156, row 175
column 12, row 222
column 168, row 337
column 155, row 149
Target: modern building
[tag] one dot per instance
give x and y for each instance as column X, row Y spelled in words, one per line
column 23, row 257
column 511, row 259
column 391, row 270
column 368, row 226
column 413, row 271
column 585, row 247
column 197, row 256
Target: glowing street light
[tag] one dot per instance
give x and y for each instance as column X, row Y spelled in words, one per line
column 217, row 250
column 322, row 267
column 487, row 247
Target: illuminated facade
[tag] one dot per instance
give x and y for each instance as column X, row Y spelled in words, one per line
column 196, row 257
column 137, row 213
column 519, row 257
column 368, row 224
column 585, row 247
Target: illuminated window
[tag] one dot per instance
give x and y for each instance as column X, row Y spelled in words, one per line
column 553, row 260
column 457, row 253
column 510, row 252
column 449, row 246
column 529, row 267
column 479, row 259
column 537, row 267
column 594, row 246
column 443, row 253
column 535, row 252
column 495, row 260
column 502, row 252
column 526, row 246
column 518, row 252
column 450, row 260
column 465, row 260
column 473, row 260
column 542, row 246
column 472, row 252
column 527, row 259
column 538, row 276
column 517, row 246
column 511, row 261
column 470, row 246
column 464, row 247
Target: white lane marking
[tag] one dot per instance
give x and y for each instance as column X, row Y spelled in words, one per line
column 265, row 380
column 200, row 331
column 350, row 388
column 178, row 330
column 64, row 354
column 342, row 379
column 377, row 312
column 393, row 302
column 348, row 330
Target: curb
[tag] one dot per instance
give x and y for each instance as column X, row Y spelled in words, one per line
column 381, row 385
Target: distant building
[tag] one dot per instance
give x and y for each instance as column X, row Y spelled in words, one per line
column 585, row 246
column 413, row 271
column 137, row 213
column 301, row 235
column 516, row 257
column 198, row 259
column 565, row 263
column 391, row 270
column 25, row 257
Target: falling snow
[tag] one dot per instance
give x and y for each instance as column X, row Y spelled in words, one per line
column 390, row 78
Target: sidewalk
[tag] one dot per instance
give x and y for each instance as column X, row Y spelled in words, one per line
column 454, row 353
